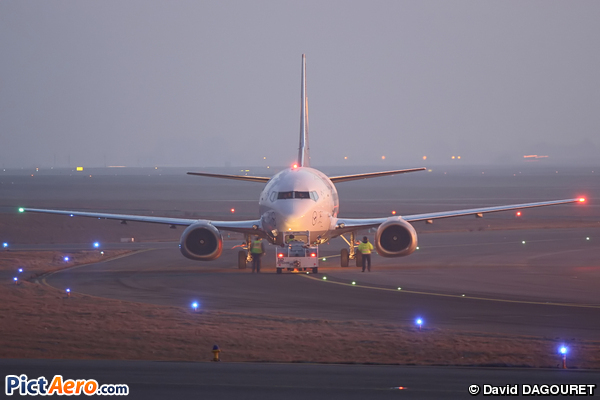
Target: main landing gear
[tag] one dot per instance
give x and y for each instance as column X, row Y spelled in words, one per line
column 244, row 256
column 350, row 254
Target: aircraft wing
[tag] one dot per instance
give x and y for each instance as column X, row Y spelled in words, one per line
column 261, row 179
column 347, row 225
column 234, row 226
column 346, row 178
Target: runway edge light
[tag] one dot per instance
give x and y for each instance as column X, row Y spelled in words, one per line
column 564, row 350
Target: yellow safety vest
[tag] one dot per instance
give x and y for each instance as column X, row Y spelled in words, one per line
column 365, row 248
column 256, row 247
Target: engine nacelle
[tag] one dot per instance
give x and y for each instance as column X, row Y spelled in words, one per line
column 395, row 238
column 201, row 241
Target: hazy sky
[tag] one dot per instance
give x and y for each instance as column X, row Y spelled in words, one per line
column 211, row 83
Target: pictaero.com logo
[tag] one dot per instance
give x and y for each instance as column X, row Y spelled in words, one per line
column 532, row 390
column 41, row 386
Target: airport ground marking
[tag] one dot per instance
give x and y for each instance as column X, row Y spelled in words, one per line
column 458, row 296
column 42, row 278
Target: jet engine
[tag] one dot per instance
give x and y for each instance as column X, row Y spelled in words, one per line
column 201, row 241
column 395, row 238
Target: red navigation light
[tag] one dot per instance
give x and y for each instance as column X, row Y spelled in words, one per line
column 393, row 212
column 313, row 254
column 280, row 255
column 518, row 213
column 582, row 199
column 232, row 210
column 295, row 166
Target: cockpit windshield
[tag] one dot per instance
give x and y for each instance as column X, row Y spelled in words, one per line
column 297, row 195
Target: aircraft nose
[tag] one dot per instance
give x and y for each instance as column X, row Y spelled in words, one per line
column 294, row 215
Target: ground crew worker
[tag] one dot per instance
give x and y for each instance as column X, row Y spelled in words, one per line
column 290, row 239
column 365, row 248
column 257, row 250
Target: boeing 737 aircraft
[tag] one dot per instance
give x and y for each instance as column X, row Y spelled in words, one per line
column 302, row 199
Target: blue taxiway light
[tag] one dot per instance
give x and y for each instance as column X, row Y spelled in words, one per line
column 96, row 245
column 71, row 215
column 66, row 258
column 5, row 245
column 563, row 350
column 15, row 279
column 68, row 290
column 195, row 305
column 20, row 270
column 419, row 321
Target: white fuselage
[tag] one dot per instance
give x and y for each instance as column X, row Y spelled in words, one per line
column 299, row 200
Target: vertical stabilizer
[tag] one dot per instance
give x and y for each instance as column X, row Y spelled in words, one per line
column 303, row 150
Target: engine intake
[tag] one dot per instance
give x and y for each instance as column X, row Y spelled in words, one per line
column 395, row 238
column 201, row 241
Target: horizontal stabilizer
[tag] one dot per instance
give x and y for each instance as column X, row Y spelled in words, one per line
column 262, row 179
column 346, row 178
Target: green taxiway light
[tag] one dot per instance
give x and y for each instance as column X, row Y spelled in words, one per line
column 323, row 258
column 399, row 288
column 324, row 278
column 587, row 238
column 354, row 283
column 523, row 242
column 21, row 210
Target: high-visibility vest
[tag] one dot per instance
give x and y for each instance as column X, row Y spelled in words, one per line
column 365, row 248
column 256, row 247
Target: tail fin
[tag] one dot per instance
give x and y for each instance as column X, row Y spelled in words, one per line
column 303, row 150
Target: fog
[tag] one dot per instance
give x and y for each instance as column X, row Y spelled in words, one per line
column 213, row 84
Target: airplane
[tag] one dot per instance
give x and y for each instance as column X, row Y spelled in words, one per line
column 302, row 199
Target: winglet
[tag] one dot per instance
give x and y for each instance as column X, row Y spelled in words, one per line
column 303, row 150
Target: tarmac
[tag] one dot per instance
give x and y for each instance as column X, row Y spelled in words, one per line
column 541, row 281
